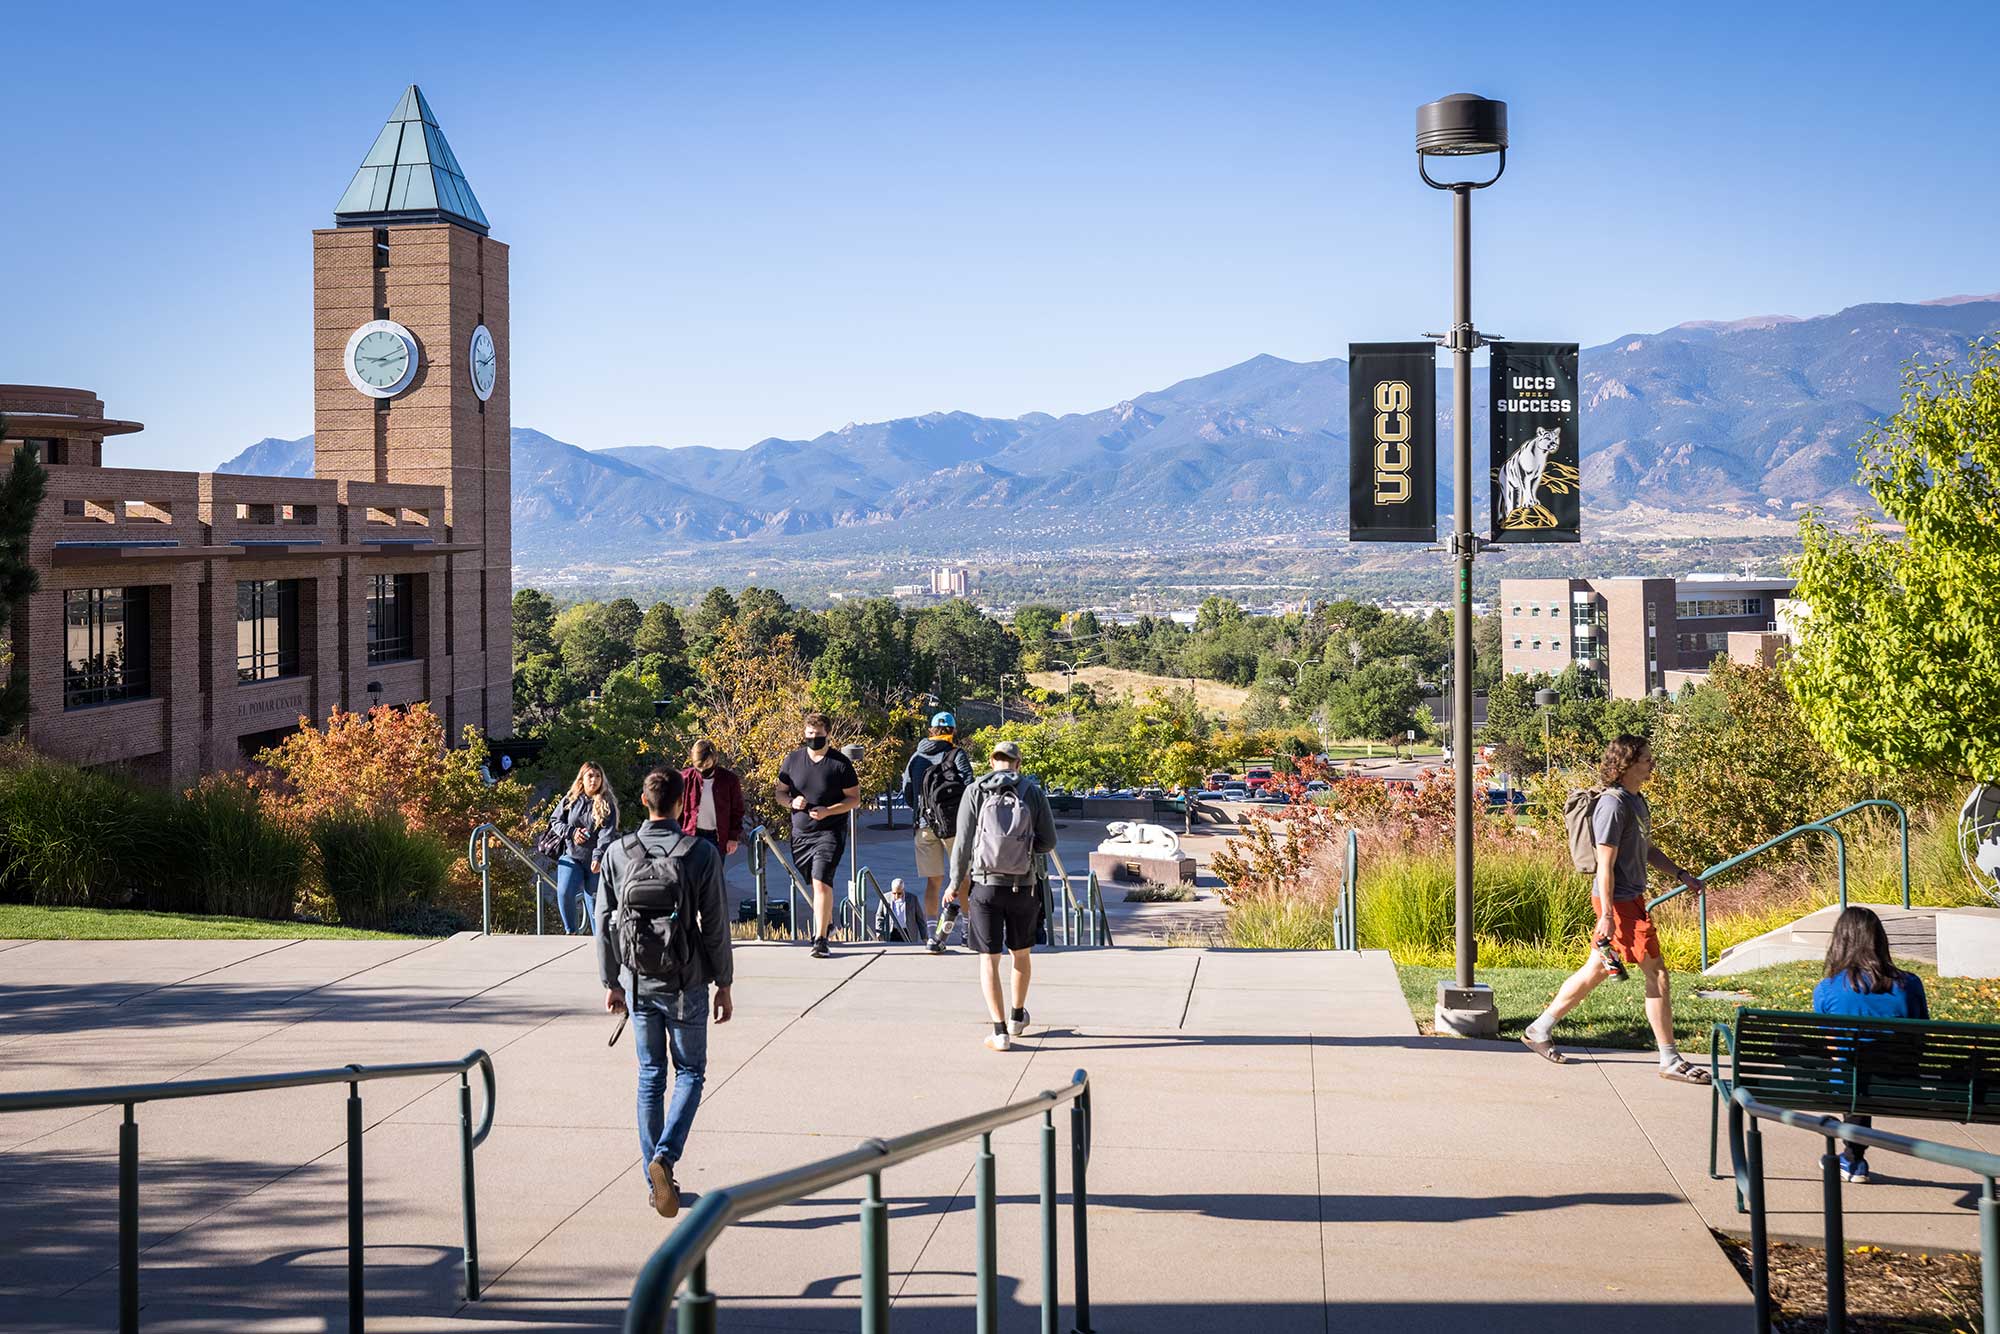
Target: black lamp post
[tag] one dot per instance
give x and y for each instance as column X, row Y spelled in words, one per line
column 1545, row 700
column 1462, row 125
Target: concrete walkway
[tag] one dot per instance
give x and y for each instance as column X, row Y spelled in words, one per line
column 1276, row 1149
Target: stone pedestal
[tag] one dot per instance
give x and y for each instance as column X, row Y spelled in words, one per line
column 1968, row 942
column 1111, row 867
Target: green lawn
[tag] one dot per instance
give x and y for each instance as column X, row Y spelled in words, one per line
column 19, row 921
column 1615, row 1014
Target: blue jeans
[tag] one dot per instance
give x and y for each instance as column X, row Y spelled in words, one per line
column 572, row 879
column 663, row 1023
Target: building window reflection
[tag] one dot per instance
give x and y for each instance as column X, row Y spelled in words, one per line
column 267, row 629
column 391, row 605
column 107, row 646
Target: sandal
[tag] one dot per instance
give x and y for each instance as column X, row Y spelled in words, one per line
column 1683, row 1073
column 1544, row 1048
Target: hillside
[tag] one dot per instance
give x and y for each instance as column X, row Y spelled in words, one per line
column 1728, row 425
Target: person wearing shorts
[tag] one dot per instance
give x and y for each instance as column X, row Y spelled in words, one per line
column 821, row 787
column 1622, row 823
column 1006, row 908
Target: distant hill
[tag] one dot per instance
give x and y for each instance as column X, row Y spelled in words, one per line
column 1743, row 417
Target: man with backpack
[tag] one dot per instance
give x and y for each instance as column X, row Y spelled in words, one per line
column 934, row 783
column 1610, row 837
column 1004, row 824
column 662, row 938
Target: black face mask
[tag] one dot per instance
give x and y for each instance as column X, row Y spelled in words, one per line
column 815, row 743
column 708, row 768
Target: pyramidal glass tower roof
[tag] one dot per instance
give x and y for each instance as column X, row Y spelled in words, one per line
column 410, row 175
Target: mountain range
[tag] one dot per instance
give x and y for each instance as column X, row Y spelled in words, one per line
column 1740, row 420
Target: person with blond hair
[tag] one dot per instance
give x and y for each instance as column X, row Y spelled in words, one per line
column 1622, row 823
column 586, row 822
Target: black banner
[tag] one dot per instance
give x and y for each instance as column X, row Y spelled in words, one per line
column 1536, row 483
column 1392, row 442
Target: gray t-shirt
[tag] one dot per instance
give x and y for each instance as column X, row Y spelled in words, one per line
column 1624, row 821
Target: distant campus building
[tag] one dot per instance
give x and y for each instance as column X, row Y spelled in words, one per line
column 1639, row 634
column 186, row 620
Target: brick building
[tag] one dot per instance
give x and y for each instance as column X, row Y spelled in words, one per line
column 1638, row 634
column 186, row 620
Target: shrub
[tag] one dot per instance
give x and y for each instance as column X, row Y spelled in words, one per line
column 228, row 855
column 377, row 872
column 74, row 837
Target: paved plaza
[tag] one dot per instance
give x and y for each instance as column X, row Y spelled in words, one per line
column 1276, row 1148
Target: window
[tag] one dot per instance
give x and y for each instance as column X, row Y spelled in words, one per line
column 1538, row 644
column 1706, row 641
column 107, row 646
column 1556, row 644
column 1535, row 610
column 46, row 449
column 1555, row 609
column 1719, row 607
column 1517, row 609
column 390, row 603
column 267, row 629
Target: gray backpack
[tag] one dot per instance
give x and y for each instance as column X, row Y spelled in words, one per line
column 1580, row 823
column 1004, row 843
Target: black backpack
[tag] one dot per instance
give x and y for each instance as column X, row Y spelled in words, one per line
column 655, row 924
column 939, row 795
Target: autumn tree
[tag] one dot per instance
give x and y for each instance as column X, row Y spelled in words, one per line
column 1898, row 661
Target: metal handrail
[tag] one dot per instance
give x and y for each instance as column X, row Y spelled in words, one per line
column 868, row 882
column 1747, row 1151
column 1066, row 912
column 1094, row 892
column 130, row 1096
column 1346, row 929
column 1823, row 825
column 476, row 854
column 798, row 885
column 683, row 1256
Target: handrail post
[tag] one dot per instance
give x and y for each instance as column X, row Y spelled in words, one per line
column 466, row 1186
column 1701, row 907
column 1760, row 1256
column 1989, row 1252
column 1836, row 1243
column 485, row 884
column 356, row 1295
column 874, row 1259
column 697, row 1306
column 1903, row 820
column 986, row 1240
column 757, row 881
column 1840, row 860
column 1079, row 1205
column 1050, row 1305
column 128, row 1224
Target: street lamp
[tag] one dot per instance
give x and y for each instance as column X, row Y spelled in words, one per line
column 1545, row 700
column 1462, row 125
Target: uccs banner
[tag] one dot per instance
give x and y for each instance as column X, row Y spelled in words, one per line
column 1392, row 442
column 1535, row 441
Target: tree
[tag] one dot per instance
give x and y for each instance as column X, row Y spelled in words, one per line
column 589, row 641
column 716, row 607
column 20, row 500
column 749, row 701
column 967, row 649
column 622, row 620
column 1215, row 612
column 661, row 644
column 1036, row 622
column 1084, row 625
column 1378, row 701
column 1898, row 661
column 534, row 624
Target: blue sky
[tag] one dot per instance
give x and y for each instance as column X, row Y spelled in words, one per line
column 737, row 221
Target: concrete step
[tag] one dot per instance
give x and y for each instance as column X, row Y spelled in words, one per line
column 1912, row 936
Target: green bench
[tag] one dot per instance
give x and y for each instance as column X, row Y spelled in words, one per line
column 1919, row 1069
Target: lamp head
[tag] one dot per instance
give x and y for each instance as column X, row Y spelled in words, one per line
column 1461, row 125
column 1545, row 698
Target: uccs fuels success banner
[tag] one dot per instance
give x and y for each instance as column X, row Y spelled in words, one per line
column 1392, row 442
column 1536, row 495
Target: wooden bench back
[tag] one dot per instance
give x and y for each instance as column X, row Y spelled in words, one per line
column 1922, row 1068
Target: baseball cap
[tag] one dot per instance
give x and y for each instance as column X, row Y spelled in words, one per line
column 1008, row 750
column 941, row 721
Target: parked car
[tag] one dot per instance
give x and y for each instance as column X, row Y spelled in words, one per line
column 1318, row 785
column 1234, row 793
column 1256, row 776
column 1212, row 794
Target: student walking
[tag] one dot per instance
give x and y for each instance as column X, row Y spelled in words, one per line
column 821, row 787
column 1004, row 825
column 934, row 783
column 712, row 795
column 585, row 821
column 901, row 916
column 1863, row 981
column 662, row 939
column 1620, row 825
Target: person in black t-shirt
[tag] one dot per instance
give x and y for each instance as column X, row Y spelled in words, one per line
column 820, row 786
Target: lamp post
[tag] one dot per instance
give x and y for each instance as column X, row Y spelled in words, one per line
column 1462, row 125
column 1545, row 700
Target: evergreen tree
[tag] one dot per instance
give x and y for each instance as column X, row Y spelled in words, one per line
column 20, row 499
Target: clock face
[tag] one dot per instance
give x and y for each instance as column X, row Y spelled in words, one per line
column 382, row 358
column 485, row 363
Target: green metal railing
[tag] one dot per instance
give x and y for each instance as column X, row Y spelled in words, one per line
column 1073, row 921
column 683, row 1257
column 478, row 852
column 1747, row 1149
column 1346, row 927
column 129, row 1096
column 1823, row 825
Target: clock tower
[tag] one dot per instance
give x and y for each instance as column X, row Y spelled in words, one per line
column 411, row 389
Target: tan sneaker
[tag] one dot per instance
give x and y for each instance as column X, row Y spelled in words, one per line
column 998, row 1041
column 665, row 1193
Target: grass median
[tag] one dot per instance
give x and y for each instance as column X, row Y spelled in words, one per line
column 21, row 921
column 1615, row 1014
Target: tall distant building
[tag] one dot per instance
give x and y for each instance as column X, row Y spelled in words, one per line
column 187, row 620
column 949, row 581
column 1638, row 634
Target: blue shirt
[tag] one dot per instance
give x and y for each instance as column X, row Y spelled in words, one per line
column 1905, row 1000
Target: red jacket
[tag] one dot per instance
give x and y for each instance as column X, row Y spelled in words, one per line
column 728, row 802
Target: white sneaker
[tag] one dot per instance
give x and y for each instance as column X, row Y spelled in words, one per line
column 1018, row 1026
column 999, row 1041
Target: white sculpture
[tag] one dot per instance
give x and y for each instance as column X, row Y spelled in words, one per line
column 1137, row 838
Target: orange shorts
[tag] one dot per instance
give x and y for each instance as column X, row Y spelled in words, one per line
column 1632, row 931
